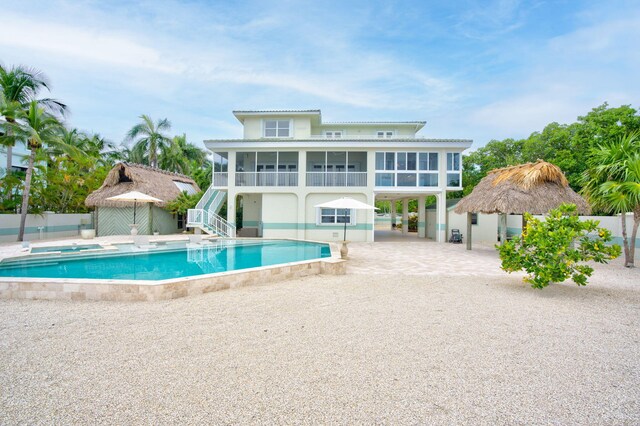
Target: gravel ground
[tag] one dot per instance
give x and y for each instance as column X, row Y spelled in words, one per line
column 389, row 349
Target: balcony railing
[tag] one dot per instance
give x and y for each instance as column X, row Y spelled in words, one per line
column 359, row 136
column 220, row 179
column 266, row 178
column 336, row 178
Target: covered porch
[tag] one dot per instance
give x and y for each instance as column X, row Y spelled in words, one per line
column 411, row 219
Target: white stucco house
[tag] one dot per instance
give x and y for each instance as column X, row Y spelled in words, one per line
column 19, row 153
column 289, row 161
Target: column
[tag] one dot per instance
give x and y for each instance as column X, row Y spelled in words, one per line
column 231, row 171
column 405, row 216
column 441, row 219
column 231, row 207
column 371, row 216
column 393, row 213
column 422, row 215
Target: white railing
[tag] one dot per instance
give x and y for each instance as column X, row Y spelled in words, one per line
column 217, row 202
column 359, row 136
column 211, row 222
column 220, row 179
column 336, row 178
column 266, row 178
column 207, row 195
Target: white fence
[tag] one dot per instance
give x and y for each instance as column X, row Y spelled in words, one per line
column 45, row 226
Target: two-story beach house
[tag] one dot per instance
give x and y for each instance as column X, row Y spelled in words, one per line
column 288, row 162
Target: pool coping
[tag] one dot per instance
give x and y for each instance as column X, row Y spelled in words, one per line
column 153, row 290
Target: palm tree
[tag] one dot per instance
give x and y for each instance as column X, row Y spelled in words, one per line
column 149, row 138
column 39, row 128
column 612, row 184
column 179, row 154
column 21, row 85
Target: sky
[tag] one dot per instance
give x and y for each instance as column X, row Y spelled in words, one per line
column 478, row 70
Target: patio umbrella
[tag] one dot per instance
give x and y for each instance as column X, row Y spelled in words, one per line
column 135, row 197
column 346, row 203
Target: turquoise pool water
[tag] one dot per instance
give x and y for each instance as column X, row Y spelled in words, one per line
column 167, row 261
column 65, row 249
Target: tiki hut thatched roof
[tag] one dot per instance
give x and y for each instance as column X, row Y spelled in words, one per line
column 534, row 188
column 125, row 177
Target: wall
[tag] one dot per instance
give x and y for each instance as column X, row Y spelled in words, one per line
column 253, row 126
column 251, row 210
column 485, row 232
column 360, row 232
column 488, row 225
column 279, row 215
column 116, row 221
column 53, row 226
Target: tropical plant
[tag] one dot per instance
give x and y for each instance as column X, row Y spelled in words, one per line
column 20, row 86
column 555, row 249
column 183, row 202
column 612, row 184
column 148, row 139
column 179, row 155
column 40, row 129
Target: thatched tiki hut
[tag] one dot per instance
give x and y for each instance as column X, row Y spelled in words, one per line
column 114, row 217
column 533, row 188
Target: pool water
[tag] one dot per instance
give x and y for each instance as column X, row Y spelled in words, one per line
column 65, row 249
column 167, row 262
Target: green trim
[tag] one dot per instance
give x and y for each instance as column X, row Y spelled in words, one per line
column 421, row 225
column 441, row 226
column 253, row 223
column 35, row 230
column 313, row 226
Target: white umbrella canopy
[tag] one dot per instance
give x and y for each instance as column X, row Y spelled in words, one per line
column 346, row 203
column 134, row 197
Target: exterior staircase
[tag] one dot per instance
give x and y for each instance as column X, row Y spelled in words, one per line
column 205, row 215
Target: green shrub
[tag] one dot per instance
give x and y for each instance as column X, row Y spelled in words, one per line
column 553, row 250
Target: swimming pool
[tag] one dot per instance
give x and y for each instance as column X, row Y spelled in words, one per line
column 169, row 261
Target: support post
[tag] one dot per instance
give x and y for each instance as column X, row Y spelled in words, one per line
column 393, row 214
column 469, row 227
column 422, row 213
column 503, row 228
column 441, row 220
column 405, row 216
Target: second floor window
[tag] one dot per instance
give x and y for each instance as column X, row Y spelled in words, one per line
column 333, row 134
column 385, row 134
column 277, row 128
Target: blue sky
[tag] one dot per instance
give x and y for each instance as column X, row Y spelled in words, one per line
column 472, row 69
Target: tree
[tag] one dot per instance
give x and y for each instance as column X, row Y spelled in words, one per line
column 553, row 250
column 179, row 155
column 39, row 129
column 148, row 138
column 612, row 184
column 19, row 86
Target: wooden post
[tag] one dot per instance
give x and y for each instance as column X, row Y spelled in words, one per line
column 503, row 228
column 469, row 230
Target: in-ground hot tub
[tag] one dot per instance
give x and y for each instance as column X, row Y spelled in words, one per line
column 163, row 271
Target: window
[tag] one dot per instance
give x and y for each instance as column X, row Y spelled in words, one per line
column 185, row 187
column 180, row 221
column 453, row 170
column 407, row 169
column 474, row 218
column 335, row 216
column 334, row 134
column 384, row 134
column 453, row 161
column 277, row 128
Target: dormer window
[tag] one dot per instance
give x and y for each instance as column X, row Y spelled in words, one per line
column 277, row 128
column 385, row 134
column 334, row 134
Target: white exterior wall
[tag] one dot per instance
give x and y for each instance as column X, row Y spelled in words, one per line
column 279, row 215
column 45, row 226
column 485, row 232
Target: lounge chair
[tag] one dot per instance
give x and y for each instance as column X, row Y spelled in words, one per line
column 456, row 236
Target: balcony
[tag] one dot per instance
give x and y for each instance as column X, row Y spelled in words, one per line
column 266, row 178
column 336, row 178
